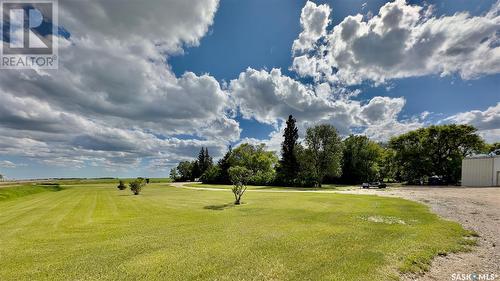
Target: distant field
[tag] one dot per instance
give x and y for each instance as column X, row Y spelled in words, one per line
column 81, row 181
column 96, row 181
column 96, row 232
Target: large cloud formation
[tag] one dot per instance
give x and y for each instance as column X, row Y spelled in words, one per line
column 269, row 97
column 403, row 40
column 114, row 101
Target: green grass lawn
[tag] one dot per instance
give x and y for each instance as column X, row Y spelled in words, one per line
column 96, row 232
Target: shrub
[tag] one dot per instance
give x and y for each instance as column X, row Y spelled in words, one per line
column 137, row 185
column 121, row 185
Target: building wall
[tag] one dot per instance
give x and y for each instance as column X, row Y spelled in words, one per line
column 496, row 170
column 478, row 171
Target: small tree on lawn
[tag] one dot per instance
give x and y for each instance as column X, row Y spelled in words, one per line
column 137, row 185
column 239, row 177
column 121, row 185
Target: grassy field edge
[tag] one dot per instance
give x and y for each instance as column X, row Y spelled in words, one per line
column 17, row 191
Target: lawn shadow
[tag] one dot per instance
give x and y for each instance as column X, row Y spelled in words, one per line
column 220, row 207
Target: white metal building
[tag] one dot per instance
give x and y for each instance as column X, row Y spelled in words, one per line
column 481, row 170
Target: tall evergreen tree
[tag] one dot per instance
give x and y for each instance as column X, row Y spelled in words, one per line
column 289, row 166
column 202, row 161
column 195, row 170
column 208, row 159
column 224, row 165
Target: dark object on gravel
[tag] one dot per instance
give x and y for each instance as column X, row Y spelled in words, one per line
column 374, row 184
column 435, row 180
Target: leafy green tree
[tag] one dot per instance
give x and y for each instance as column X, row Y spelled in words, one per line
column 239, row 177
column 493, row 147
column 434, row 151
column 258, row 160
column 410, row 157
column 289, row 165
column 306, row 175
column 324, row 152
column 387, row 164
column 361, row 160
column 211, row 175
column 185, row 170
column 174, row 175
column 447, row 145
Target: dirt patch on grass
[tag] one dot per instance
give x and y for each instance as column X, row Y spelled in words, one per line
column 477, row 209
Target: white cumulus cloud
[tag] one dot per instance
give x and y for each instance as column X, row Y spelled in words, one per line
column 314, row 20
column 405, row 40
column 487, row 122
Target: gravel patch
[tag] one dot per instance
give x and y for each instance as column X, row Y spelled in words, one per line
column 477, row 209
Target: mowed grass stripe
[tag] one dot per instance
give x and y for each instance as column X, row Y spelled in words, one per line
column 35, row 213
column 58, row 215
column 97, row 232
column 27, row 203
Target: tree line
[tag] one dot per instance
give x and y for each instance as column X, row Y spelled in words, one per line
column 324, row 157
column 191, row 170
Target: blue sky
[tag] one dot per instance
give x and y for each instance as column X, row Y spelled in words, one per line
column 232, row 74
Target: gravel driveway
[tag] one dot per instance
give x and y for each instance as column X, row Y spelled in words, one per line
column 475, row 208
